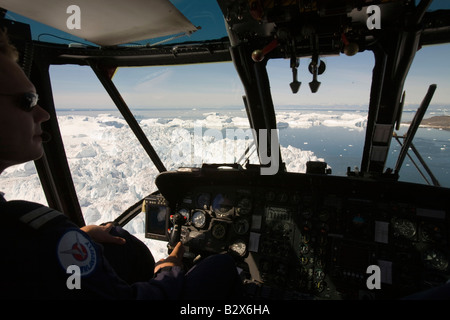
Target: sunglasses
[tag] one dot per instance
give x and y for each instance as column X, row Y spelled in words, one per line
column 27, row 101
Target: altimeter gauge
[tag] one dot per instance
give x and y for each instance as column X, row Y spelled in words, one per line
column 199, row 219
column 404, row 228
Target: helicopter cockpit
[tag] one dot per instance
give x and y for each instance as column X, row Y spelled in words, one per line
column 309, row 235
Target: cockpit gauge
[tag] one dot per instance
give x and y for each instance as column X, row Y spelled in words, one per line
column 435, row 259
column 403, row 227
column 199, row 219
column 319, row 275
column 239, row 247
column 223, row 205
column 304, row 248
column 203, row 200
column 282, row 197
column 306, row 232
column 432, row 232
column 244, row 206
column 185, row 213
column 241, row 226
column 320, row 286
column 282, row 228
column 218, row 231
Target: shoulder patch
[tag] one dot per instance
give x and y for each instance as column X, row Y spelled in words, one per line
column 74, row 248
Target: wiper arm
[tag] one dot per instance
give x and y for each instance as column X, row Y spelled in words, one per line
column 412, row 131
column 422, row 161
column 245, row 158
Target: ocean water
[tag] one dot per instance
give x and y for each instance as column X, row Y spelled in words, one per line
column 342, row 148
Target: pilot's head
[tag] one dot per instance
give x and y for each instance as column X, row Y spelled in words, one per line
column 20, row 115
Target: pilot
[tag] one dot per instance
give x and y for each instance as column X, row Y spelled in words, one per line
column 44, row 255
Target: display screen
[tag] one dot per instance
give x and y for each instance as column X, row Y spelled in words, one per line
column 155, row 221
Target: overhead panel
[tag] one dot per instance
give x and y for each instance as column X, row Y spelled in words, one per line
column 106, row 22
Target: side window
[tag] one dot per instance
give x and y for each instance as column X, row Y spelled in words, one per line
column 432, row 139
column 21, row 182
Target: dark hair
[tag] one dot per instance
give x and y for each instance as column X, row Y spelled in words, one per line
column 6, row 48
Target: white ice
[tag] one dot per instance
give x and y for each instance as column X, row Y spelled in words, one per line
column 111, row 171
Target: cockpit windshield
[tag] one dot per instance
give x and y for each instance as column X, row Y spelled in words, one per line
column 330, row 125
column 197, row 111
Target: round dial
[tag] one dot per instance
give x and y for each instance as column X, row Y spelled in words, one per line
column 222, row 205
column 436, row 259
column 199, row 219
column 320, row 286
column 282, row 197
column 404, row 227
column 244, row 206
column 239, row 247
column 304, row 248
column 319, row 274
column 431, row 232
column 241, row 226
column 218, row 231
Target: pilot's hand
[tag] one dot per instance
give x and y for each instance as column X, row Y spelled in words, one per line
column 101, row 234
column 174, row 259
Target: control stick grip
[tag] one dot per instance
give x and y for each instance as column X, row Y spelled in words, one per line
column 174, row 237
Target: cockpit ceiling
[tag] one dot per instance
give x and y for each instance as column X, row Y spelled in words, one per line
column 107, row 22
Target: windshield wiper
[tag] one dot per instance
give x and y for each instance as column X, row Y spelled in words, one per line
column 409, row 136
column 245, row 158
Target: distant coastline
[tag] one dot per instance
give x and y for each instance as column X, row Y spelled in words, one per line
column 437, row 122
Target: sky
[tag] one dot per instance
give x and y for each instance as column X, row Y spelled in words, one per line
column 346, row 80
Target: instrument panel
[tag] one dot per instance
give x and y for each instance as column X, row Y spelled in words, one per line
column 216, row 220
column 303, row 236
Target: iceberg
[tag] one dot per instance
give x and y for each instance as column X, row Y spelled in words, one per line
column 111, row 171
